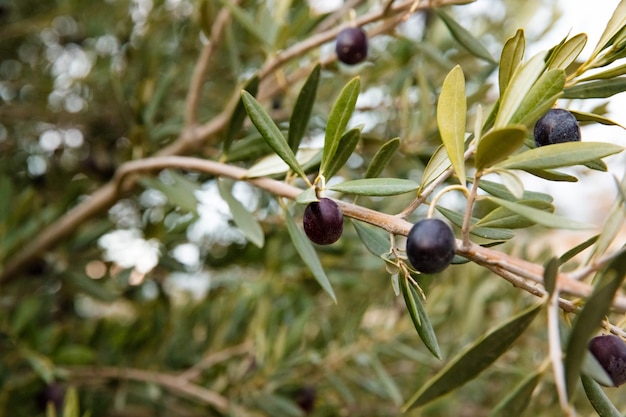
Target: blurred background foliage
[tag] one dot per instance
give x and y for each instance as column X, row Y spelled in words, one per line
column 88, row 84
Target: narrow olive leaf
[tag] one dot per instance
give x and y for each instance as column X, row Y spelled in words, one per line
column 521, row 82
column 504, row 218
column 592, row 368
column 590, row 317
column 239, row 114
column 338, row 121
column 611, row 228
column 498, row 190
column 511, row 58
column 465, row 37
column 567, row 53
column 512, row 183
column 596, row 89
column 437, row 165
column 485, row 232
column 606, row 74
column 251, row 147
column 542, row 108
column 516, row 402
column 542, row 94
column 560, row 155
column 594, row 118
column 246, row 21
column 550, row 273
column 541, row 217
column 305, row 249
column 302, row 109
column 388, row 383
column 307, row 196
column 419, row 317
column 243, row 219
column 376, row 186
column 347, row 145
column 475, row 359
column 598, row 399
column 551, row 175
column 616, row 23
column 375, row 239
column 578, row 249
column 451, row 116
column 382, row 158
column 270, row 132
column 273, row 164
column 498, row 144
column 71, row 405
column 179, row 190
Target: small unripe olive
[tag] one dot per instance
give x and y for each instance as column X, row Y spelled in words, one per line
column 556, row 126
column 351, row 46
column 610, row 351
column 430, row 246
column 323, row 221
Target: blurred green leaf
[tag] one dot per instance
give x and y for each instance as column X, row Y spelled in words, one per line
column 268, row 129
column 589, row 318
column 273, row 164
column 249, row 148
column 374, row 238
column 465, row 37
column 376, row 186
column 247, row 21
column 511, row 58
column 239, row 115
column 179, row 190
column 74, row 354
column 598, row 399
column 437, row 165
column 307, row 252
column 540, row 98
column 560, row 155
column 512, row 183
column 520, row 84
column 614, row 219
column 6, row 191
column 485, row 232
column 347, row 145
column 277, row 405
column 541, row 217
column 451, row 115
column 596, row 89
column 338, row 121
column 516, row 402
column 420, row 319
column 592, row 368
column 71, row 406
column 41, row 365
column 474, row 359
column 382, row 158
column 303, row 108
column 498, row 144
column 567, row 52
column 243, row 219
column 577, row 249
column 615, row 24
column 386, row 380
column 550, row 274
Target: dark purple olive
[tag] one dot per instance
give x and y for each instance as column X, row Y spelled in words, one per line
column 556, row 126
column 351, row 46
column 430, row 246
column 323, row 221
column 610, row 351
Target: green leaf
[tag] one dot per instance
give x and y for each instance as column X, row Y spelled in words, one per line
column 567, row 52
column 375, row 239
column 419, row 317
column 437, row 165
column 347, row 145
column 606, row 74
column 511, row 58
column 590, row 317
column 541, row 217
column 179, row 190
column 239, row 114
column 71, row 406
column 614, row 25
column 485, row 232
column 541, row 97
column 499, row 190
column 270, row 132
column 498, row 144
column 502, row 217
column 595, row 118
column 516, row 402
column 520, row 84
column 578, row 249
column 465, row 37
column 473, row 360
column 451, row 114
column 592, row 368
column 382, row 158
column 376, row 186
column 305, row 249
column 611, row 228
column 246, row 21
column 598, row 399
column 550, row 274
column 243, row 219
column 338, row 121
column 273, row 164
column 551, row 175
column 302, row 109
column 307, row 196
column 596, row 89
column 560, row 155
column 512, row 183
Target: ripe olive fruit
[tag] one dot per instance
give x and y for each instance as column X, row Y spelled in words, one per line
column 610, row 351
column 351, row 46
column 323, row 221
column 556, row 126
column 430, row 246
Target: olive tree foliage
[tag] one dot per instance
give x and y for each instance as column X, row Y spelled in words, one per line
column 156, row 158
